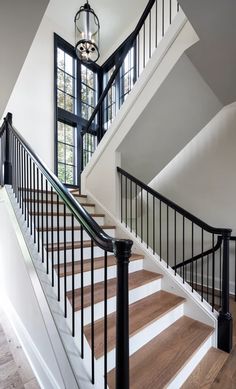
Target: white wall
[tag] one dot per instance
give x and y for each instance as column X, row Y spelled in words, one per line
column 19, row 21
column 32, row 100
column 180, row 108
column 201, row 177
column 99, row 176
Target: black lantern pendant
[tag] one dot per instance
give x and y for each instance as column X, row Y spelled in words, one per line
column 87, row 30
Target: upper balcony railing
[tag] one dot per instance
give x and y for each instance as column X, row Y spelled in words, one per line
column 125, row 67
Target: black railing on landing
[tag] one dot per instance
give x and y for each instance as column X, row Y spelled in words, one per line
column 196, row 251
column 56, row 222
column 129, row 60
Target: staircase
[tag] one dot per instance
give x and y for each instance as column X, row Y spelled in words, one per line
column 165, row 344
column 120, row 318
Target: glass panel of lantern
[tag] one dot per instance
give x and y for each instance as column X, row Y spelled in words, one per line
column 87, row 31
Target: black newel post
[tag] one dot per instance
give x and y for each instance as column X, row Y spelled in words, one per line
column 122, row 251
column 7, row 162
column 225, row 320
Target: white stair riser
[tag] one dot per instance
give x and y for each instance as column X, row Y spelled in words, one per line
column 39, row 207
column 77, row 235
column 77, row 254
column 134, row 295
column 98, row 219
column 42, row 196
column 99, row 275
column 146, row 334
column 188, row 368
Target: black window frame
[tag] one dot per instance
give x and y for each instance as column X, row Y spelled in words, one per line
column 73, row 119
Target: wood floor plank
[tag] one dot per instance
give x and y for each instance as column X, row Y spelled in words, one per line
column 227, row 376
column 207, row 370
column 142, row 313
column 98, row 264
column 155, row 364
column 136, row 279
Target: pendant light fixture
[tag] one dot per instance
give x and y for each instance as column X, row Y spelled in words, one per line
column 87, row 31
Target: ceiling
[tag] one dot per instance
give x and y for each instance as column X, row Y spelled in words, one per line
column 117, row 19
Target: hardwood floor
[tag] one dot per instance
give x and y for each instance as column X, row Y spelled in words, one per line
column 15, row 371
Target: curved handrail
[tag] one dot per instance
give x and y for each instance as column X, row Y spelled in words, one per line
column 177, row 208
column 129, row 42
column 103, row 240
column 201, row 255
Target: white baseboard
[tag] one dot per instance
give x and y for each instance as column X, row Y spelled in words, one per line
column 42, row 373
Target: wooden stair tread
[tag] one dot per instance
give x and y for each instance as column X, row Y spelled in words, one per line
column 49, row 192
column 227, row 376
column 55, row 202
column 207, row 370
column 76, row 228
column 157, row 363
column 98, row 264
column 136, row 280
column 68, row 245
column 141, row 314
column 62, row 214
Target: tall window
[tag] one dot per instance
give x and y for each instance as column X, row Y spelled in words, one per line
column 127, row 76
column 110, row 100
column 89, row 91
column 66, row 153
column 121, row 87
column 66, row 92
column 76, row 95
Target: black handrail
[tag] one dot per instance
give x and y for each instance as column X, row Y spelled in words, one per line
column 191, row 271
column 177, row 208
column 130, row 41
column 28, row 176
column 103, row 240
column 201, row 255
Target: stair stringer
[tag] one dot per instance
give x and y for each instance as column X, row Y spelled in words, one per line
column 193, row 307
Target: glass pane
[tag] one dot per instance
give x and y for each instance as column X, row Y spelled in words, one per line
column 84, row 111
column 69, row 64
column 83, row 74
column 60, row 80
column 69, row 174
column 61, row 172
column 60, row 132
column 69, row 85
column 90, row 111
column 84, row 93
column 91, row 99
column 61, row 152
column 69, row 138
column 69, row 106
column 61, row 99
column 60, row 59
column 69, row 155
column 90, row 79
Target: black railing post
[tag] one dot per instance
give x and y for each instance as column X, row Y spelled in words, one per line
column 7, row 162
column 225, row 320
column 122, row 250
